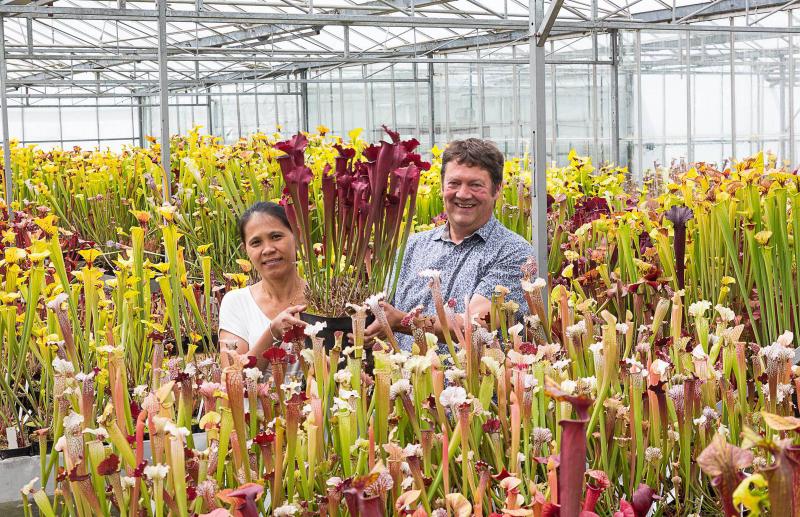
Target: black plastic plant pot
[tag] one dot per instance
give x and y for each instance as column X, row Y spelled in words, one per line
column 342, row 323
column 15, row 453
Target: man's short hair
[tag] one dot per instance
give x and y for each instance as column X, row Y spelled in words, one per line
column 475, row 152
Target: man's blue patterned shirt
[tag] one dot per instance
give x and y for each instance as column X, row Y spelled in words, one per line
column 489, row 257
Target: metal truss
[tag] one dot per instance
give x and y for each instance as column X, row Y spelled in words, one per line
column 141, row 54
column 66, row 39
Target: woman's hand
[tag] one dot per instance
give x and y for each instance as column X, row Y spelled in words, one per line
column 285, row 320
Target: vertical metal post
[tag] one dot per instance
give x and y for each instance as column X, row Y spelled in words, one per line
column 344, row 126
column 639, row 143
column 594, row 95
column 61, row 125
column 9, row 186
column 553, row 108
column 238, row 111
column 297, row 116
column 277, row 111
column 29, row 33
column 615, row 97
column 759, row 106
column 791, row 94
column 481, row 97
column 221, row 114
column 26, row 102
column 367, row 93
column 664, row 118
column 446, row 100
column 515, row 101
column 196, row 88
column 140, row 113
column 304, row 99
column 164, row 96
column 258, row 119
column 317, row 104
column 416, row 97
column 538, row 141
column 209, row 114
column 178, row 123
column 133, row 119
column 431, row 105
column 594, row 101
column 733, row 89
column 97, row 108
column 393, row 100
column 782, row 103
column 689, row 110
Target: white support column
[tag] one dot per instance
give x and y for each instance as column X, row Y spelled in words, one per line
column 447, row 133
column 481, row 97
column 615, row 97
column 255, row 100
column 367, row 103
column 304, row 123
column 393, row 99
column 343, row 129
column 792, row 80
column 4, row 112
column 638, row 173
column 515, row 102
column 29, row 33
column 553, row 109
column 275, row 103
column 732, row 42
column 164, row 96
column 97, row 108
column 416, row 99
column 538, row 142
column 239, row 111
column 431, row 105
column 689, row 110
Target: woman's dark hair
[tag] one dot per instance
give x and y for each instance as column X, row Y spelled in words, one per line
column 263, row 207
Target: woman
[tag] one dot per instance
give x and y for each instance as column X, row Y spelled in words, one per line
column 255, row 317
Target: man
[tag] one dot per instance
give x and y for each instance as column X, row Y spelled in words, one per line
column 473, row 251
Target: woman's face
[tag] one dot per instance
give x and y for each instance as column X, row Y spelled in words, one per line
column 270, row 246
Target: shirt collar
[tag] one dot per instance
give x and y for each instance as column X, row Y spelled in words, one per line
column 443, row 233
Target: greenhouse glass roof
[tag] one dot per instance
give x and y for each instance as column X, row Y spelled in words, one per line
column 114, row 45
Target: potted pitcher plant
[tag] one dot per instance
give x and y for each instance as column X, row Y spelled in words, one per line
column 352, row 246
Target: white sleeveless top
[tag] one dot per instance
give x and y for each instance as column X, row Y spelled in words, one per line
column 240, row 315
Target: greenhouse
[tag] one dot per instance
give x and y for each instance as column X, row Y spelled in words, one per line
column 399, row 257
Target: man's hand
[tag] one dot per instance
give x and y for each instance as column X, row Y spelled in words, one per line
column 393, row 316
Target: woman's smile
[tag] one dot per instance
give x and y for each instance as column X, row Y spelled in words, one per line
column 271, row 261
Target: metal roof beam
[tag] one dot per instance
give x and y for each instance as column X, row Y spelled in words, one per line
column 262, row 33
column 579, row 26
column 718, row 9
column 463, row 43
column 173, row 16
column 265, row 31
column 420, row 49
column 549, row 20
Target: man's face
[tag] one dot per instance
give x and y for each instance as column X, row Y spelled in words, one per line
column 469, row 197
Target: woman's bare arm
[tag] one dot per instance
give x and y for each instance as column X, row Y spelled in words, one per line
column 243, row 347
